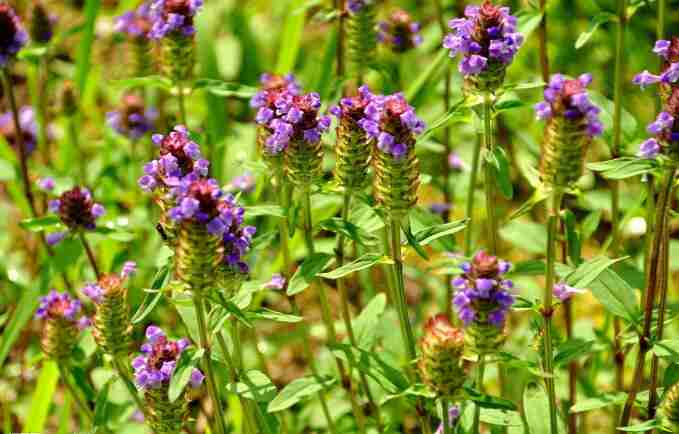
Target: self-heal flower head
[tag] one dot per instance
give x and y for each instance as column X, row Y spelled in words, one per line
column 136, row 23
column 270, row 86
column 482, row 293
column 568, row 99
column 13, row 36
column 441, row 363
column 132, row 119
column 399, row 32
column 59, row 305
column 77, row 211
column 179, row 159
column 665, row 129
column 564, row 292
column 28, row 126
column 153, row 369
column 173, row 17
column 62, row 322
column 668, row 77
column 486, row 38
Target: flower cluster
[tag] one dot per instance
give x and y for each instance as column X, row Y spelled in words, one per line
column 46, row 184
column 136, row 23
column 173, row 17
column 180, row 160
column 271, row 86
column 486, row 38
column 155, row 367
column 133, row 119
column 392, row 122
column 96, row 291
column 569, row 99
column 28, row 126
column 60, row 305
column 292, row 117
column 665, row 128
column 399, row 32
column 481, row 288
column 668, row 50
column 12, row 34
column 441, row 364
column 77, row 210
column 353, row 109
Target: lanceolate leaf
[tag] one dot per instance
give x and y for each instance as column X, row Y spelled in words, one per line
column 597, row 20
column 365, row 261
column 349, row 230
column 536, row 408
column 151, row 81
column 255, row 386
column 622, row 168
column 432, row 233
column 50, row 222
column 307, row 272
column 603, row 401
column 182, row 373
column 366, row 323
column 225, row 88
column 297, row 391
column 42, row 397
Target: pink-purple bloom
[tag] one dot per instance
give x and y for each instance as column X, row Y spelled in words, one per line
column 399, row 32
column 453, row 414
column 244, row 183
column 76, row 210
column 455, row 162
column 60, row 306
column 173, row 17
column 132, row 119
column 483, row 287
column 665, row 128
column 136, row 23
column 486, row 36
column 355, row 6
column 669, row 51
column 13, row 36
column 46, row 184
column 569, row 99
column 564, row 292
column 277, row 282
column 154, row 368
column 28, row 126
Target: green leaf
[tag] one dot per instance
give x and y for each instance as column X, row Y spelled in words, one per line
column 433, row 233
column 590, row 224
column 527, row 235
column 625, row 167
column 298, row 391
column 307, row 271
column 361, row 263
column 572, row 236
column 419, row 84
column 414, row 243
column 366, row 323
column 508, row 104
column 647, row 426
column 290, row 38
column 667, row 349
column 149, row 82
column 42, row 397
column 102, row 409
column 264, row 210
column 84, row 55
column 588, row 271
column 527, row 21
column 536, row 409
column 390, row 378
column 456, row 111
column 225, row 88
column 114, row 233
column 524, row 85
column 147, row 306
column 487, row 401
column 349, row 230
column 597, row 20
column 599, row 402
column 272, row 315
column 538, row 196
column 32, row 53
column 255, row 386
column 181, row 376
column 500, row 164
column 571, row 350
column 50, row 222
column 492, row 416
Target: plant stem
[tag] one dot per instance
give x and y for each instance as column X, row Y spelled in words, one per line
column 346, row 313
column 75, row 394
column 489, row 181
column 547, row 308
column 90, row 254
column 542, row 35
column 250, row 418
column 325, row 312
column 182, row 103
column 655, row 279
column 480, row 371
column 124, row 374
column 199, row 305
column 339, row 6
column 473, row 179
column 445, row 417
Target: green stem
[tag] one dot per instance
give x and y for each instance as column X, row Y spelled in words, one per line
column 542, row 35
column 473, row 179
column 124, row 374
column 73, row 136
column 199, row 305
column 253, row 417
column 547, row 308
column 90, row 254
column 75, row 394
column 346, row 313
column 489, row 174
column 182, row 103
column 445, row 417
column 233, row 377
column 480, row 371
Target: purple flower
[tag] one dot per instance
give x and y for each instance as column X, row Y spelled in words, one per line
column 453, row 415
column 662, row 48
column 94, row 292
column 277, row 282
column 455, row 162
column 645, row 78
column 76, row 209
column 46, row 184
column 132, row 119
column 649, row 149
column 59, row 305
column 399, row 32
column 27, row 125
column 669, row 75
column 13, row 37
column 665, row 132
column 129, row 268
column 55, row 237
column 173, row 17
column 564, row 292
column 197, row 378
column 135, row 23
column 568, row 99
column 244, row 183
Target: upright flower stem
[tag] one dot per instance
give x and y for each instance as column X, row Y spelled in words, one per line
column 542, row 35
column 199, row 306
column 124, row 374
column 473, row 179
column 339, row 6
column 618, row 354
column 480, row 372
column 402, row 308
column 73, row 137
column 445, row 417
column 325, row 312
column 251, row 415
column 547, row 308
column 182, row 102
column 489, row 181
column 90, row 254
column 655, row 279
column 23, row 162
column 75, row 393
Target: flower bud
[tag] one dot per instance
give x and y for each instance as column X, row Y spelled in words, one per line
column 361, row 34
column 441, row 365
column 12, row 34
column 76, row 209
column 41, row 24
column 572, row 121
column 669, row 412
column 62, row 324
column 400, row 33
column 69, row 99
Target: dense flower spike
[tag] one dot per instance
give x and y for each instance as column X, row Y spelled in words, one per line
column 669, row 412
column 488, row 40
column 361, row 34
column 669, row 76
column 353, row 147
column 153, row 371
column 112, row 326
column 62, row 323
column 29, row 129
column 137, row 25
column 133, row 119
column 572, row 122
column 483, row 299
column 42, row 24
column 400, row 32
column 665, row 128
column 12, row 34
column 77, row 210
column 441, row 364
column 393, row 125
